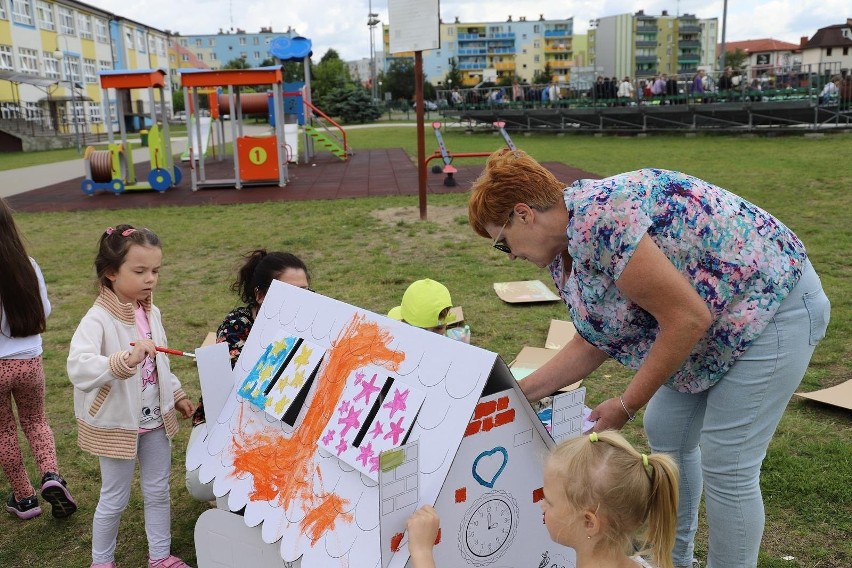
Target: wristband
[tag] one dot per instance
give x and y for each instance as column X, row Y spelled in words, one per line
column 630, row 417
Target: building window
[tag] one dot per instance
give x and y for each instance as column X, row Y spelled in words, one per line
column 95, row 116
column 140, row 41
column 243, row 55
column 536, row 29
column 183, row 42
column 152, row 44
column 184, row 57
column 101, row 33
column 199, row 56
column 44, row 13
column 28, row 59
column 211, row 42
column 90, row 75
column 845, row 50
column 214, row 57
column 7, row 62
column 128, row 38
column 257, row 55
column 256, row 40
column 22, row 12
column 104, row 65
column 828, row 51
column 198, row 42
column 84, row 22
column 72, row 68
column 51, row 65
column 66, row 21
column 536, row 58
column 537, row 44
column 242, row 41
column 3, row 14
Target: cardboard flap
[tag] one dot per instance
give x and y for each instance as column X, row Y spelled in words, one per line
column 524, row 292
column 838, row 395
column 560, row 333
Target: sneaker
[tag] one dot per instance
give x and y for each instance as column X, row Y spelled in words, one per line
column 170, row 562
column 104, row 565
column 25, row 509
column 53, row 491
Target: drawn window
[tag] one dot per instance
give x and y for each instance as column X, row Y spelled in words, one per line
column 7, row 62
column 44, row 13
column 66, row 21
column 101, row 33
column 84, row 22
column 22, row 12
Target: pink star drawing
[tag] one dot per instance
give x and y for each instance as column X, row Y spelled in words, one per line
column 341, row 447
column 374, row 463
column 366, row 390
column 365, row 454
column 395, row 431
column 344, row 407
column 328, row 438
column 377, row 429
column 398, row 402
column 359, row 376
column 350, row 421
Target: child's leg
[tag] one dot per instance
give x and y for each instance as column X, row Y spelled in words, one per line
column 10, row 452
column 29, row 398
column 116, row 477
column 155, row 465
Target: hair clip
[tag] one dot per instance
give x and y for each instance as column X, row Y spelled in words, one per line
column 593, row 437
column 127, row 232
column 109, row 231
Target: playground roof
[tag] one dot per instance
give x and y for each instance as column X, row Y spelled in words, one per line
column 27, row 79
column 132, row 79
column 235, row 77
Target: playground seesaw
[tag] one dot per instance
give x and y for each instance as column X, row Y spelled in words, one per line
column 447, row 157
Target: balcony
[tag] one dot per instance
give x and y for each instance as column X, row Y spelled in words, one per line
column 554, row 48
column 557, row 33
column 472, row 66
column 689, row 29
column 501, row 50
column 646, row 43
column 505, row 66
column 689, row 44
column 470, row 37
column 646, row 59
column 502, row 35
column 688, row 58
column 640, row 29
column 479, row 51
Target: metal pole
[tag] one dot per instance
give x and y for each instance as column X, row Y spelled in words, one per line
column 372, row 21
column 724, row 26
column 421, row 143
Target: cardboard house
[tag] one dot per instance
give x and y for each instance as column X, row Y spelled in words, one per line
column 338, row 423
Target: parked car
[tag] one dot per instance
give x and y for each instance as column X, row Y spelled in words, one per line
column 428, row 105
column 179, row 116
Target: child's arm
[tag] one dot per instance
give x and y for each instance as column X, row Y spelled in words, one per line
column 88, row 368
column 423, row 528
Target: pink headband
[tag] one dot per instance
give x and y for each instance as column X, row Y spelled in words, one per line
column 124, row 233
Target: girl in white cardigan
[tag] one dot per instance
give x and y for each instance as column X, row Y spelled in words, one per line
column 126, row 397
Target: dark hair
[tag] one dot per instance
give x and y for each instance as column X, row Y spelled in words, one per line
column 260, row 269
column 20, row 296
column 113, row 246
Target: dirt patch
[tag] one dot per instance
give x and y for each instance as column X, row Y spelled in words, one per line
column 446, row 216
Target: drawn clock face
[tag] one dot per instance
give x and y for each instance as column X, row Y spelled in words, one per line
column 488, row 528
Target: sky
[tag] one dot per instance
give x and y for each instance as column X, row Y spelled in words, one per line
column 342, row 24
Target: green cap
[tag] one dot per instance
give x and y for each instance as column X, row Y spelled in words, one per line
column 422, row 303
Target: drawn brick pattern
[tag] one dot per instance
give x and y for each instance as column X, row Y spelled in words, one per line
column 399, row 486
column 490, row 414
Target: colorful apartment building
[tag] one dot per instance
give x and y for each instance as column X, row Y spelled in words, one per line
column 641, row 45
column 50, row 54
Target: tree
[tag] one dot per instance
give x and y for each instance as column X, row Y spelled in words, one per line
column 735, row 59
column 454, row 77
column 399, row 80
column 238, row 63
column 329, row 74
column 542, row 77
column 352, row 104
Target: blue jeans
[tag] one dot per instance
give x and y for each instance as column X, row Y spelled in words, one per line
column 719, row 437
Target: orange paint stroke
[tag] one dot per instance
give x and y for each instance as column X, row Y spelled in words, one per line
column 282, row 468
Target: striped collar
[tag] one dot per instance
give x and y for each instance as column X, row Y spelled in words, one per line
column 119, row 310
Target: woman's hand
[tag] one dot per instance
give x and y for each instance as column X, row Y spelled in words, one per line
column 185, row 407
column 609, row 415
column 422, row 529
column 143, row 348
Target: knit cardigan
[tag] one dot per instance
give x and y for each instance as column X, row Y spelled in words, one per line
column 107, row 392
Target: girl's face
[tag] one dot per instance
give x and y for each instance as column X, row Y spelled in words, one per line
column 137, row 276
column 293, row 276
column 563, row 521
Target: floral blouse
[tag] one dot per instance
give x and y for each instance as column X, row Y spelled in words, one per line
column 234, row 330
column 741, row 261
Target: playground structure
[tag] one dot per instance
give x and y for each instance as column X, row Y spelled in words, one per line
column 448, row 169
column 113, row 169
column 258, row 160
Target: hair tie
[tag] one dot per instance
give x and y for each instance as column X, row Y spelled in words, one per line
column 109, row 231
column 648, row 469
column 127, row 232
column 593, row 437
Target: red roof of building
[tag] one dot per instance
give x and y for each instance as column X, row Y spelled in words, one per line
column 759, row 46
column 832, row 36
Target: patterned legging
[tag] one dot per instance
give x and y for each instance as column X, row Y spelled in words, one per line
column 23, row 379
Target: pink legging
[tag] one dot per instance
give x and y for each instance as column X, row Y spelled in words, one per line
column 23, row 379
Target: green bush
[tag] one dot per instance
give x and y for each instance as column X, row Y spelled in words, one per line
column 351, row 105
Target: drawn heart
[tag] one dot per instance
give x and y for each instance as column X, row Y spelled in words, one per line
column 489, row 466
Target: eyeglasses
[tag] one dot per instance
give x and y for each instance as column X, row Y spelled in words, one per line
column 501, row 244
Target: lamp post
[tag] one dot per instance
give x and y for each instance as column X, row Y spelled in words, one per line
column 372, row 21
column 60, row 55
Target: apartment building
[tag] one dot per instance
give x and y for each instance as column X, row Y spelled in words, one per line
column 50, row 53
column 641, row 45
column 490, row 51
column 214, row 51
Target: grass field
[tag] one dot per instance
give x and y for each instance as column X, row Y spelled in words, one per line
column 361, row 252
